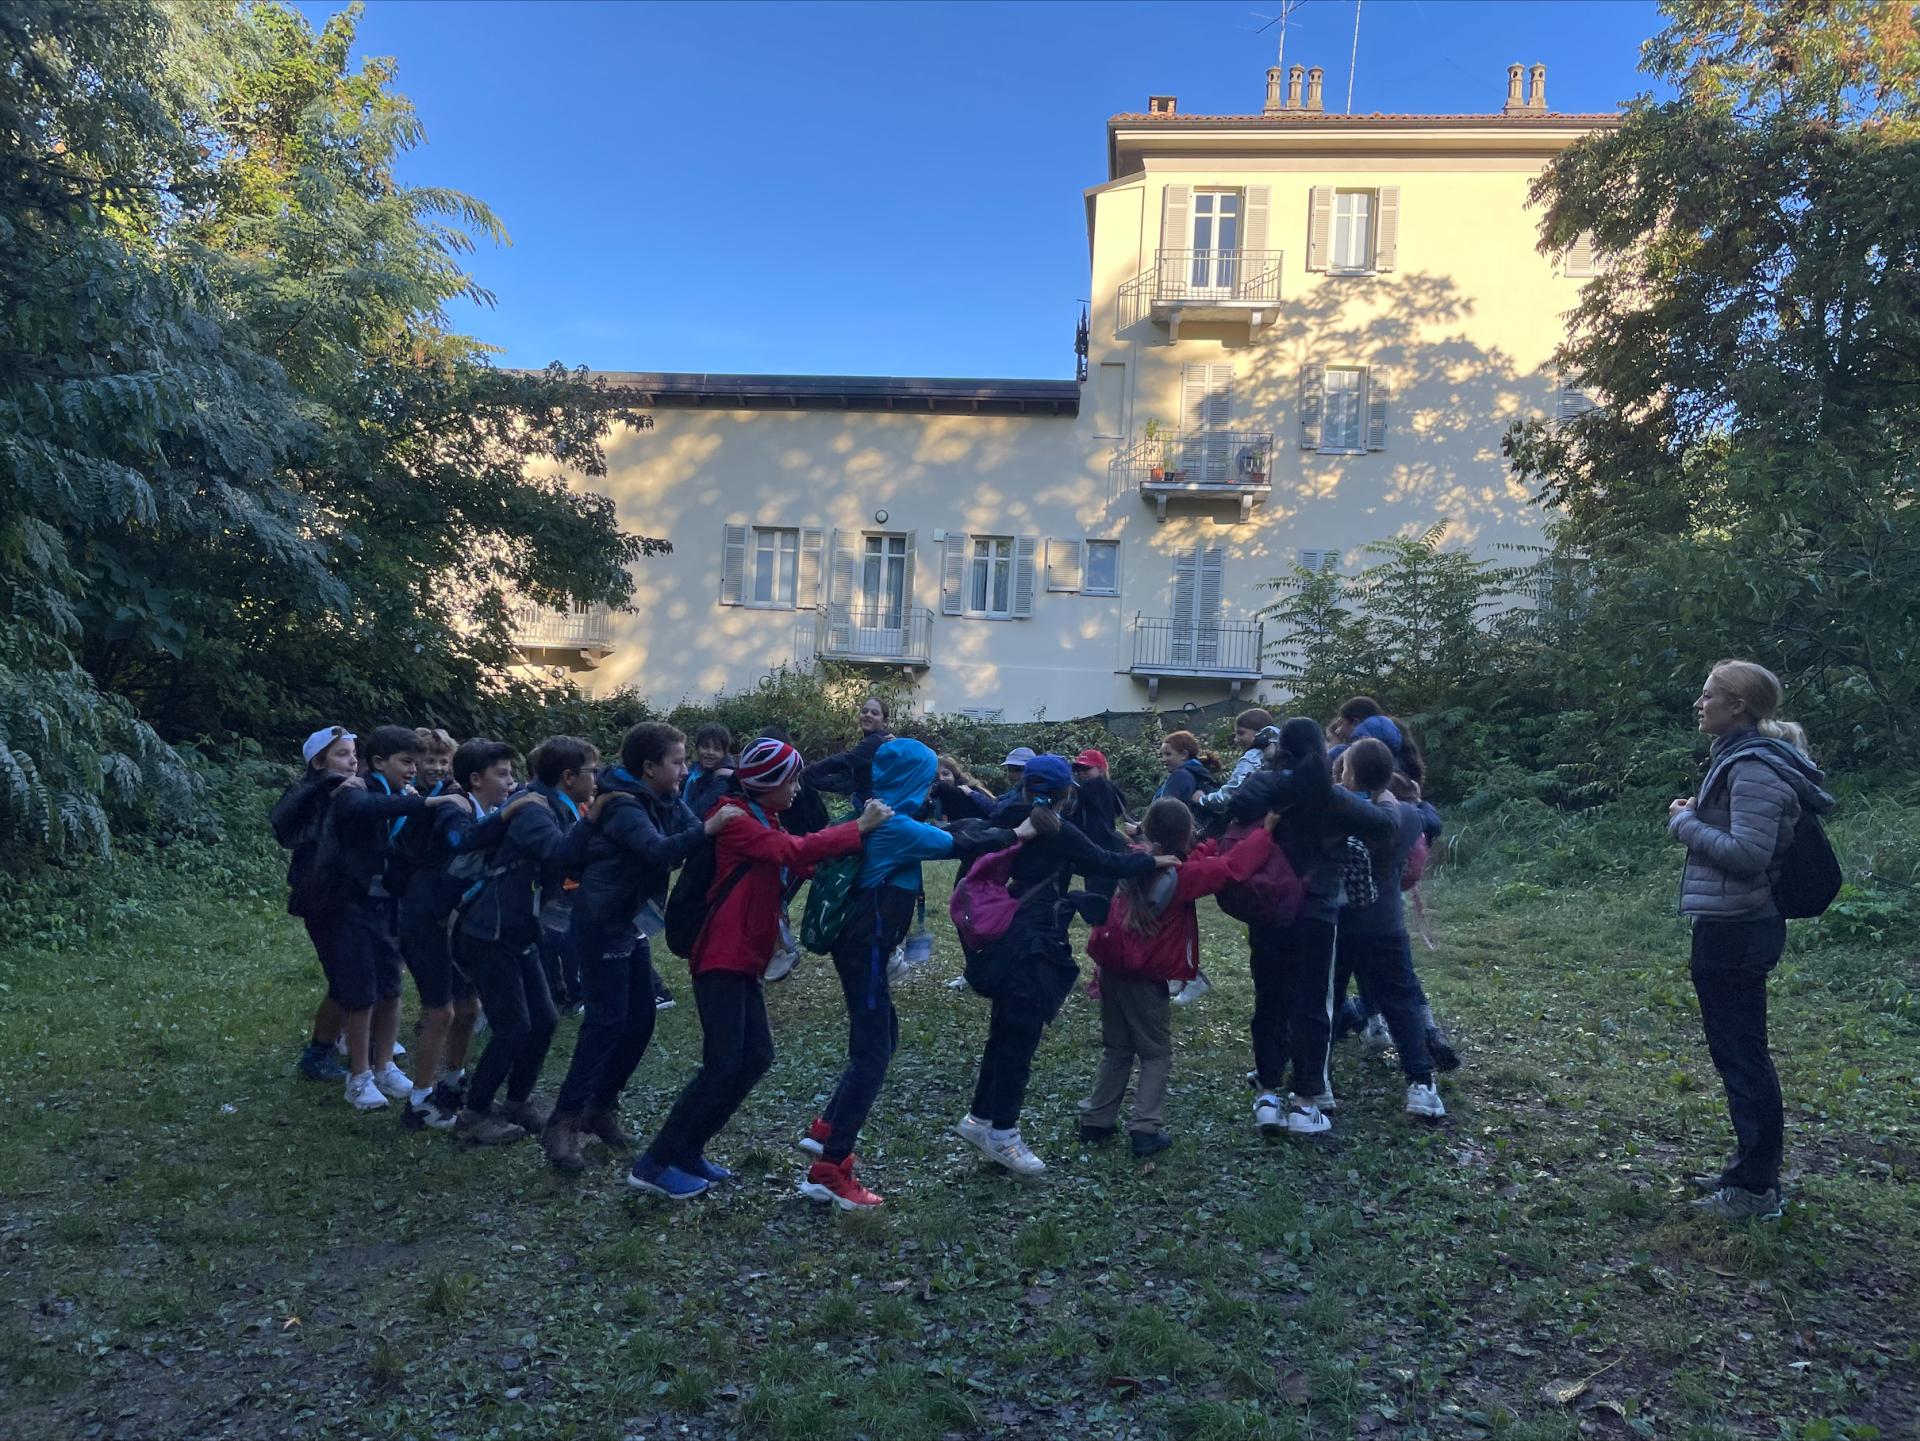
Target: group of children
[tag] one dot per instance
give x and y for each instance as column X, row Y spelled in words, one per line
column 410, row 850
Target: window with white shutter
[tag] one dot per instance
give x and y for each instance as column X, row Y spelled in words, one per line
column 812, row 543
column 774, row 581
column 733, row 564
column 1319, row 226
column 1026, row 579
column 990, row 577
column 1343, row 409
column 1580, row 262
column 1320, row 560
column 1352, row 230
column 953, row 574
column 1570, row 399
column 1063, row 565
column 1207, row 412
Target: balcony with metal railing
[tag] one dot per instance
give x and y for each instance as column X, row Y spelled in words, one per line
column 569, row 639
column 1228, row 650
column 869, row 635
column 1205, row 465
column 1237, row 286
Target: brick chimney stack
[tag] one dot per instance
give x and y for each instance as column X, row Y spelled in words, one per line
column 1162, row 105
column 1314, row 75
column 1274, row 74
column 1537, row 88
column 1296, row 77
column 1516, row 102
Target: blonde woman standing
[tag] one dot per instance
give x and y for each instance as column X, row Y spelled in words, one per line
column 1759, row 782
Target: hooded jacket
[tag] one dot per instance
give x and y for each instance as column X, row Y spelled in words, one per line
column 1741, row 823
column 632, row 851
column 903, row 771
column 533, row 855
column 1171, row 950
column 296, row 820
column 367, row 821
column 742, row 932
column 1185, row 781
column 435, row 839
column 1316, row 816
column 850, row 773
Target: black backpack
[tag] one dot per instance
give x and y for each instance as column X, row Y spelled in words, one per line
column 321, row 881
column 1809, row 875
column 688, row 905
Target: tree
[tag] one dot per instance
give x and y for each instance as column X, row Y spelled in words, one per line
column 1747, row 484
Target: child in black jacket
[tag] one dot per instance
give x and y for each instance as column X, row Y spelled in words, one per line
column 297, row 820
column 850, row 773
column 1028, row 972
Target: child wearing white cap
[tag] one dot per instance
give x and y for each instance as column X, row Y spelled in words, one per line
column 329, row 757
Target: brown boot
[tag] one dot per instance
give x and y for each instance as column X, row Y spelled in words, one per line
column 606, row 1125
column 529, row 1115
column 483, row 1128
column 561, row 1141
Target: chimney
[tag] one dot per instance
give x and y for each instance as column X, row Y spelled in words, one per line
column 1537, row 89
column 1313, row 88
column 1273, row 89
column 1162, row 104
column 1515, row 101
column 1296, row 77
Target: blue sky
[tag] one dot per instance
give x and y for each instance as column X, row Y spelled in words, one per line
column 870, row 188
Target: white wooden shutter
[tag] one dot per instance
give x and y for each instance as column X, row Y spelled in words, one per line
column 1025, row 581
column 1312, row 402
column 953, row 574
column 1570, row 400
column 812, row 543
column 907, row 598
column 733, row 564
column 840, row 591
column 1212, row 589
column 1379, row 393
column 1386, row 229
column 1319, row 226
column 1063, row 565
column 1186, row 574
column 1580, row 261
column 1258, row 201
column 1176, row 218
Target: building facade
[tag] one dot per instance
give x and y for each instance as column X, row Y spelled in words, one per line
column 1308, row 331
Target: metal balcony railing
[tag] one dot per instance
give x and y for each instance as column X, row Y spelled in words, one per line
column 1201, row 278
column 540, row 627
column 1229, row 648
column 879, row 635
column 1204, row 457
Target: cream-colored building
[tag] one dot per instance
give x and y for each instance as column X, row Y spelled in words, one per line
column 1308, row 331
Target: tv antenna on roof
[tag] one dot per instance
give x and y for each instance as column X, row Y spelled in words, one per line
column 1287, row 7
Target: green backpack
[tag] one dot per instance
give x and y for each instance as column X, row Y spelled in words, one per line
column 826, row 912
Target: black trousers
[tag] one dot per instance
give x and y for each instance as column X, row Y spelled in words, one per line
column 1730, row 963
column 1013, row 1036
column 877, row 920
column 520, row 1018
column 617, row 986
column 1384, row 967
column 735, row 1051
column 1292, row 1005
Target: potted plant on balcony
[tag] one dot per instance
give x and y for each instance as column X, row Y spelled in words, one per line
column 1155, row 470
column 1252, row 465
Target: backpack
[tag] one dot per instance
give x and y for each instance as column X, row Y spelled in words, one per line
column 827, row 893
column 1416, row 866
column 1271, row 896
column 1809, row 875
column 320, row 882
column 693, row 898
column 468, row 875
column 982, row 907
column 1357, row 874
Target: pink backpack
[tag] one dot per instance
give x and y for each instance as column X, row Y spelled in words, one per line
column 982, row 908
column 1417, row 859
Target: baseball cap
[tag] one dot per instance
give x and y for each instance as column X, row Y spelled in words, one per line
column 1091, row 758
column 1049, row 775
column 322, row 738
column 1018, row 756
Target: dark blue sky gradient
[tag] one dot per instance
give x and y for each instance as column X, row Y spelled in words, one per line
column 868, row 188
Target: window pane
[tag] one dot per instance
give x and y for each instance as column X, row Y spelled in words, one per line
column 977, row 600
column 1002, row 572
column 1103, row 566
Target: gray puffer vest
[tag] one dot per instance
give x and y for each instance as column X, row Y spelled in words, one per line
column 1741, row 824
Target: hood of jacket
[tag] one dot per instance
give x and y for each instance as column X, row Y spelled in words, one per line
column 1798, row 770
column 1380, row 728
column 903, row 772
column 624, row 782
column 1204, row 777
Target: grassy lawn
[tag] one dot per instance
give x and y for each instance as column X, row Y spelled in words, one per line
column 195, row 1242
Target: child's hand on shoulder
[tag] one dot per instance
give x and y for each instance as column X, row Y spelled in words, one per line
column 1271, row 820
column 722, row 818
column 353, row 783
column 445, row 800
column 1166, row 863
column 876, row 814
column 520, row 803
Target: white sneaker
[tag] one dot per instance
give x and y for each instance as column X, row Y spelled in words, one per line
column 1326, row 1101
column 1015, row 1155
column 1189, row 991
column 1267, row 1115
column 398, row 1049
column 958, row 983
column 1424, row 1101
column 393, row 1083
column 363, row 1093
column 782, row 964
column 1304, row 1118
column 973, row 1131
column 1376, row 1037
column 897, row 963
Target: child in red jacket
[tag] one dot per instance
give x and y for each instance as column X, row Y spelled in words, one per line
column 1152, row 936
column 753, row 859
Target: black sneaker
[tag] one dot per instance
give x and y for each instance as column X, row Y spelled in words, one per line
column 451, row 1097
column 430, row 1117
column 1150, row 1143
column 663, row 1000
column 1098, row 1135
column 319, row 1063
column 1445, row 1058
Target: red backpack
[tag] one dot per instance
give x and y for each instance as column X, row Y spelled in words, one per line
column 982, row 908
column 1271, row 896
column 1416, row 867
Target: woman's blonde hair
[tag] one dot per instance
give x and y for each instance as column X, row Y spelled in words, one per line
column 1760, row 692
column 960, row 775
column 436, row 741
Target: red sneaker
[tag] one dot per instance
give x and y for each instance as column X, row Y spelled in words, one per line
column 814, row 1143
column 834, row 1181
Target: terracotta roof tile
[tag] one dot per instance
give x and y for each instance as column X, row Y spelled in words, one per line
column 1329, row 117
